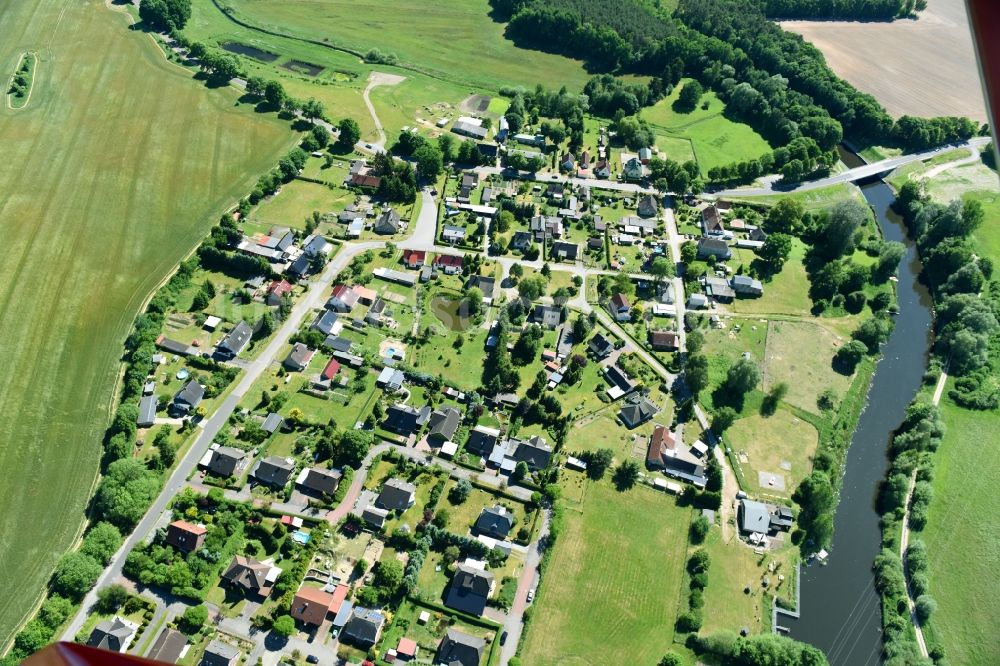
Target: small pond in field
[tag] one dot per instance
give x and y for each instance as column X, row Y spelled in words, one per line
column 300, row 67
column 452, row 312
column 250, row 51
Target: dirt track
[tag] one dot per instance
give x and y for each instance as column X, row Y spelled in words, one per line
column 925, row 67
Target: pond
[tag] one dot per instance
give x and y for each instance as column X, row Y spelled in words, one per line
column 452, row 312
column 250, row 51
column 301, row 67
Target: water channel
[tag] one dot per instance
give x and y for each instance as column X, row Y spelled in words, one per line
column 840, row 610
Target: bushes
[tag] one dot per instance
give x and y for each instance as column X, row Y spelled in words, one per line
column 75, row 574
column 697, row 568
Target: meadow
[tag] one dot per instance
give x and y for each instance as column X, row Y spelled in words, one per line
column 704, row 134
column 961, row 536
column 590, row 604
column 99, row 204
column 456, row 41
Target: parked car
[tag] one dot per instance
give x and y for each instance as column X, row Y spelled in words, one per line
column 531, row 595
column 503, row 638
column 312, row 659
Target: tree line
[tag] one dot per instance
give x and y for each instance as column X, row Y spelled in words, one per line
column 868, row 10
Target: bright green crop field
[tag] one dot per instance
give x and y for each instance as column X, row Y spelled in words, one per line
column 112, row 172
column 456, row 40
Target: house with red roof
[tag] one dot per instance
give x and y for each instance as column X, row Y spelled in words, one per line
column 277, row 291
column 342, row 299
column 186, row 537
column 450, row 264
column 311, row 605
column 331, row 369
column 414, row 258
column 620, row 308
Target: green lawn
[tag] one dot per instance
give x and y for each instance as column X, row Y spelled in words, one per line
column 767, row 443
column 807, row 375
column 978, row 182
column 817, row 199
column 705, row 134
column 457, row 40
column 961, row 535
column 611, row 591
column 99, row 203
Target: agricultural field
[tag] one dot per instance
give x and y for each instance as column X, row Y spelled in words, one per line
column 704, row 135
column 589, row 604
column 885, row 58
column 961, row 536
column 92, row 223
column 457, row 41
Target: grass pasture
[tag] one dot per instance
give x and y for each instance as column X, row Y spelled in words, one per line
column 99, row 204
column 713, row 139
column 591, row 604
column 807, row 375
column 456, row 40
column 781, row 445
column 961, row 536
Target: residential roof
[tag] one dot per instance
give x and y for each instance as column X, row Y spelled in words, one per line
column 147, row 411
column 279, row 288
column 495, row 521
column 113, row 635
column 443, row 423
column 482, row 440
column 620, row 302
column 320, row 479
column 390, row 378
column 311, row 605
column 237, row 339
column 185, row 536
column 168, row 646
column 271, row 422
column 664, row 339
column 191, row 394
column 754, row 516
column 220, row 654
column 274, row 471
column 600, row 345
column 331, row 369
column 401, row 419
column 364, row 625
column 325, row 321
column 637, row 411
column 458, row 648
column 448, row 260
column 534, row 452
column 396, row 495
column 249, row 574
column 547, row 315
column 224, row 460
column 298, row 357
column 406, row 647
column 469, row 589
column 388, row 221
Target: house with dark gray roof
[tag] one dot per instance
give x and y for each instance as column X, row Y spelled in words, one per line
column 713, row 247
column 388, row 222
column 495, row 522
column 753, row 516
column 363, row 628
column 396, row 495
column 272, row 422
column 600, row 346
column 443, row 424
column 533, row 452
column 147, row 411
column 482, row 440
column 224, row 460
column 648, row 206
column 188, row 398
column 274, row 471
column 235, row 341
column 744, row 285
column 338, row 343
column 458, row 648
column 487, row 285
column 521, row 240
column 251, row 576
column 563, row 251
column 298, row 357
column 470, row 589
column 546, row 315
column 319, row 480
column 636, row 411
column 220, row 654
column 113, row 635
column 403, row 419
column 325, row 321
column 168, row 646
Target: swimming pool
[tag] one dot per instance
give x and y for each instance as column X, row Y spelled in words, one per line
column 301, row 537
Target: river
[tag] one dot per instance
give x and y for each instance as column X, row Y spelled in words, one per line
column 840, row 610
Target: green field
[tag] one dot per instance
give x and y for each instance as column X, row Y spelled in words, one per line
column 99, row 203
column 704, row 134
column 611, row 591
column 961, row 535
column 457, row 40
column 818, row 199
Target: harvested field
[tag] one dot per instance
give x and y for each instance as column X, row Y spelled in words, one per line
column 925, row 67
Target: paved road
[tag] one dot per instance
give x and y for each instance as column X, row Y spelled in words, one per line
column 210, row 428
column 514, row 624
column 857, row 173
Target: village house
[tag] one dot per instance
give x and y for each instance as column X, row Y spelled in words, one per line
column 521, row 240
column 364, row 628
column 664, row 455
column 718, row 288
column 250, row 576
column 326, row 323
column 620, row 308
column 568, row 162
column 147, row 411
column 711, row 221
column 470, row 589
column 298, row 357
column 495, row 522
column 448, row 264
column 188, row 398
column 600, row 346
column 396, row 495
column 224, row 461
column 274, row 471
column 744, row 285
column 235, row 341
column 547, row 316
column 184, row 536
column 220, row 654
column 633, row 169
column 620, row 384
column 319, row 480
column 311, row 605
column 453, row 235
column 487, row 285
column 342, row 299
column 636, row 411
column 388, row 222
column 533, row 452
column 458, row 648
column 443, row 423
column 414, row 258
column 114, row 635
column 760, row 518
column 390, row 379
column 402, row 419
column 602, row 169
column 468, row 127
column 664, row 340
column 482, row 440
column 713, row 247
column 277, row 291
column 648, row 206
column 563, row 251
